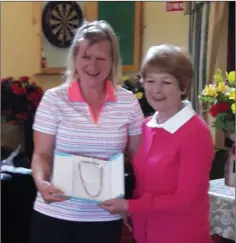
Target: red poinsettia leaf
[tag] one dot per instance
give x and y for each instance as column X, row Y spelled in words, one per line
column 39, row 91
column 16, row 89
column 20, row 98
column 24, row 78
column 34, row 84
column 23, row 91
column 33, row 96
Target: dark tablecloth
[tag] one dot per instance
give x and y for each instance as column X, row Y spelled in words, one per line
column 17, row 197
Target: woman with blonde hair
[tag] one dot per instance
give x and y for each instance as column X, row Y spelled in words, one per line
column 172, row 166
column 89, row 115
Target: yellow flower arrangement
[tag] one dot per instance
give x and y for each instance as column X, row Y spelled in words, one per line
column 132, row 85
column 233, row 108
column 221, row 97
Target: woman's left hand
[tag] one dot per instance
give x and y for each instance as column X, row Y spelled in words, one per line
column 115, row 206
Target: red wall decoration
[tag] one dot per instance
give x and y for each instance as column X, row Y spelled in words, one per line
column 174, row 6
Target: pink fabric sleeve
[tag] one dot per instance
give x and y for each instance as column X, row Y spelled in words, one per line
column 47, row 114
column 196, row 161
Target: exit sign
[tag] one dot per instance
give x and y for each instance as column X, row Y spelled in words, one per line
column 174, row 6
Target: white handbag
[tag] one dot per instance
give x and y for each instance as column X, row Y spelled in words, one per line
column 89, row 178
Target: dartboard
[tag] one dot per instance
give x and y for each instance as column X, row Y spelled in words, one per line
column 59, row 21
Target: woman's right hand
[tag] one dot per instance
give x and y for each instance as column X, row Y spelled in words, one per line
column 127, row 222
column 51, row 193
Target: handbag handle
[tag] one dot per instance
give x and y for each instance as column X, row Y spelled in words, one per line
column 100, row 167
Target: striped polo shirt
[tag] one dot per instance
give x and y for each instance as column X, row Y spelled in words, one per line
column 64, row 113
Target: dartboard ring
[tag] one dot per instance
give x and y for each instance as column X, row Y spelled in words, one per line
column 59, row 21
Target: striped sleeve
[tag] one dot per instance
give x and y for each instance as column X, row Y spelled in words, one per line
column 47, row 114
column 135, row 126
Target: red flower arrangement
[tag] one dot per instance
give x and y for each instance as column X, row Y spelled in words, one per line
column 20, row 99
column 219, row 108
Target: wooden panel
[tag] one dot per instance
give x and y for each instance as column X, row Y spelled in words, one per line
column 91, row 11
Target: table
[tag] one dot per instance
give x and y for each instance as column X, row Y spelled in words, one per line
column 223, row 209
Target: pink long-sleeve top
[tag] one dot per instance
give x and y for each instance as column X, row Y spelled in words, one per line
column 172, row 169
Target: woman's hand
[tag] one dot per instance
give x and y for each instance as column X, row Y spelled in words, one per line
column 51, row 193
column 115, row 206
column 127, row 221
column 44, row 145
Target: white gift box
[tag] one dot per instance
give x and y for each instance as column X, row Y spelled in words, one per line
column 89, row 178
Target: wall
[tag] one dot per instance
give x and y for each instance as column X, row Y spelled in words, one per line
column 163, row 27
column 16, row 53
column 158, row 27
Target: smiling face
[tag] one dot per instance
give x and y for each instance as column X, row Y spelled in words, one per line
column 93, row 62
column 162, row 91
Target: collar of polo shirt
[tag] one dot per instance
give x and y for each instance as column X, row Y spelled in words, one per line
column 75, row 95
column 176, row 121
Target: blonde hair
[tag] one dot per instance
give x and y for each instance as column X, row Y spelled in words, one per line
column 169, row 59
column 95, row 32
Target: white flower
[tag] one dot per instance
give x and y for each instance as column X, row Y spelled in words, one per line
column 226, row 218
column 228, row 233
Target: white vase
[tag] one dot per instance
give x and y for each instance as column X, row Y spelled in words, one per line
column 230, row 165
